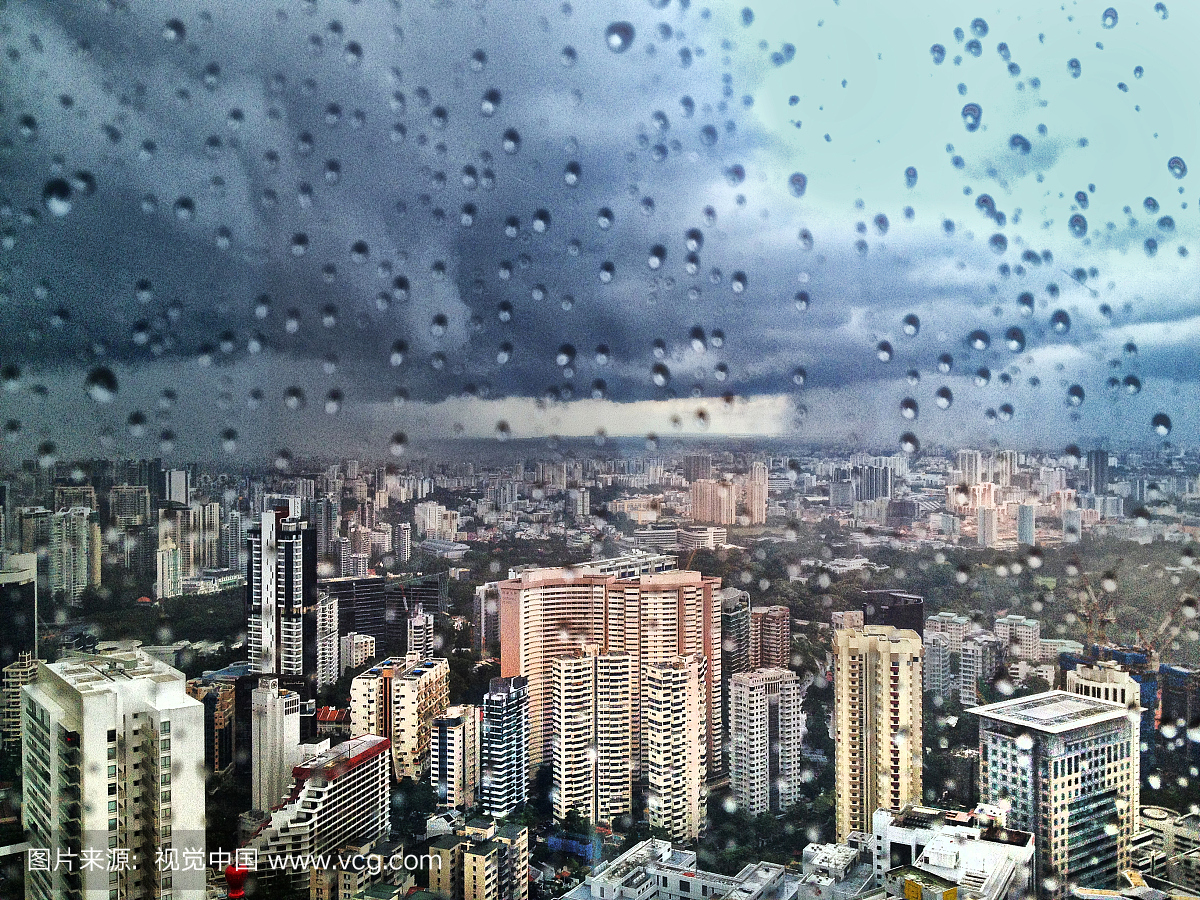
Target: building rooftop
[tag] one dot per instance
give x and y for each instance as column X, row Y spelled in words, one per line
column 343, row 757
column 1052, row 712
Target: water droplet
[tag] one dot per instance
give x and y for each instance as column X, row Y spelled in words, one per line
column 979, row 28
column 1161, row 9
column 333, row 402
column 944, row 398
column 478, row 61
column 1161, row 423
column 1014, row 339
column 173, row 31
column 938, row 52
column 912, row 325
column 909, row 442
column 658, row 254
column 1133, row 384
column 1060, row 322
column 738, row 282
column 983, row 375
column 884, row 351
column 604, row 218
column 908, row 408
column 1109, row 20
column 619, row 36
column 1176, row 166
column 979, row 340
column 399, row 443
column 569, row 57
column 660, row 374
column 945, row 363
column 708, row 135
column 1075, row 395
column 185, row 208
column 571, row 174
column 491, row 99
column 101, row 384
column 798, row 184
column 1151, row 246
column 1078, row 225
column 511, row 141
column 1020, row 143
column 607, row 272
column 1074, row 68
column 56, row 195
column 1006, row 412
column 910, row 176
column 799, row 376
column 972, row 115
column 998, row 243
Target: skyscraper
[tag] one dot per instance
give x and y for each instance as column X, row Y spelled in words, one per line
column 454, row 757
column 276, row 737
column 73, row 557
column 981, row 654
column 735, row 647
column 697, row 466
column 420, row 633
column 970, row 464
column 18, row 605
column 877, row 680
column 1069, row 765
column 504, row 746
column 169, row 575
column 113, row 752
column 714, row 502
column 767, row 731
column 281, row 586
column 1097, row 467
column 1026, row 524
column 593, row 733
column 677, row 696
column 770, row 637
column 989, row 526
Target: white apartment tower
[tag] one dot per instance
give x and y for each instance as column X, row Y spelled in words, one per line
column 420, row 634
column 676, row 727
column 112, row 760
column 877, row 680
column 767, row 735
column 593, row 735
column 281, row 577
column 1069, row 766
column 454, row 757
column 275, row 737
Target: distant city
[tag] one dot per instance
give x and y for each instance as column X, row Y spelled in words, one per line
column 969, row 673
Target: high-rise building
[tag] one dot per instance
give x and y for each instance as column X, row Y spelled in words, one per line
column 547, row 614
column 402, row 541
column 18, row 673
column 67, row 496
column 355, row 650
column 454, row 757
column 362, row 608
column 399, row 699
column 677, row 696
column 1027, row 524
column 1069, row 766
column 981, row 654
column 756, row 493
column 970, row 465
column 281, row 587
column 276, row 736
column 938, row 679
column 770, row 637
column 217, row 697
column 73, row 557
column 896, row 608
column 233, row 542
column 714, row 502
column 767, row 728
column 18, row 605
column 954, row 626
column 420, row 633
column 486, row 617
column 504, row 746
column 178, row 486
column 328, row 662
column 169, row 578
column 593, row 735
column 989, row 526
column 735, row 647
column 877, row 680
column 129, row 506
column 336, row 798
column 697, row 467
column 112, row 751
column 1021, row 636
column 1097, row 468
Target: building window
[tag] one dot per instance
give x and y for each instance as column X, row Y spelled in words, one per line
column 112, row 771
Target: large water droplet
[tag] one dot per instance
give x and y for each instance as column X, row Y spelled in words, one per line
column 1075, row 395
column 1014, row 339
column 938, row 52
column 1074, row 68
column 1078, row 225
column 912, row 325
column 56, row 195
column 1177, row 166
column 101, row 384
column 884, row 351
column 798, row 184
column 1060, row 322
column 908, row 408
column 1161, row 423
column 619, row 36
column 979, row 340
column 944, row 398
column 972, row 115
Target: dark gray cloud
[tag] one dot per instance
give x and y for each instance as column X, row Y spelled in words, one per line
column 355, row 202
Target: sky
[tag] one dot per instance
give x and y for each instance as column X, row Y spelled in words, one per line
column 335, row 228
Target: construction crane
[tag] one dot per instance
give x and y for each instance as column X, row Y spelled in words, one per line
column 1187, row 600
column 1096, row 614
